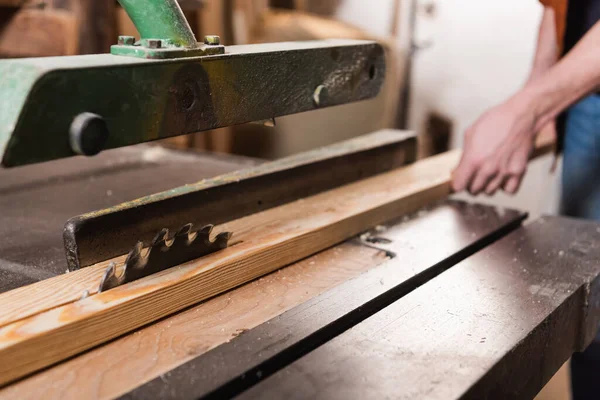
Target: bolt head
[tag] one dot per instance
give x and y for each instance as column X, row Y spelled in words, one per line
column 88, row 134
column 212, row 40
column 154, row 43
column 126, row 40
column 320, row 95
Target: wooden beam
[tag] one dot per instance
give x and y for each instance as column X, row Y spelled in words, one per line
column 191, row 5
column 345, row 162
column 37, row 33
column 97, row 23
column 21, row 3
column 264, row 242
column 11, row 3
column 112, row 370
column 458, row 230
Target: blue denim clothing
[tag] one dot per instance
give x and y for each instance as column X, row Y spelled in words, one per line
column 580, row 198
column 581, row 160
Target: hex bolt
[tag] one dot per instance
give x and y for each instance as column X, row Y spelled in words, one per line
column 154, row 43
column 88, row 134
column 212, row 40
column 320, row 95
column 126, row 40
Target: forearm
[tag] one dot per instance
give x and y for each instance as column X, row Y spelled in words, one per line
column 576, row 75
column 546, row 52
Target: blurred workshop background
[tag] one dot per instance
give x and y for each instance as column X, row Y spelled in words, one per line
column 448, row 61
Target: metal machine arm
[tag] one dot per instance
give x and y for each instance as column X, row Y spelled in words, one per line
column 167, row 84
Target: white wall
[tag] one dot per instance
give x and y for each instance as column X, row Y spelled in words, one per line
column 481, row 53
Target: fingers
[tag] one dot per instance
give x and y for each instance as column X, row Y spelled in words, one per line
column 512, row 184
column 488, row 172
column 463, row 174
column 491, row 175
column 495, row 184
column 516, row 170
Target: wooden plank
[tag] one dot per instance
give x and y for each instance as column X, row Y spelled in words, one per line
column 97, row 23
column 280, row 341
column 191, row 5
column 12, row 3
column 495, row 326
column 38, row 33
column 118, row 367
column 253, row 190
column 22, row 3
column 114, row 369
column 265, row 241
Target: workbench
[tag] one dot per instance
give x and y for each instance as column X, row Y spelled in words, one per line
column 456, row 300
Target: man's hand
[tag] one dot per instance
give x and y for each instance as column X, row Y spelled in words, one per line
column 497, row 148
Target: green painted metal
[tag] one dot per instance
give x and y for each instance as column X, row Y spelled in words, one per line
column 141, row 50
column 143, row 100
column 16, row 79
column 165, row 33
column 160, row 19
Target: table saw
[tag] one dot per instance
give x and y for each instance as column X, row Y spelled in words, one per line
column 343, row 272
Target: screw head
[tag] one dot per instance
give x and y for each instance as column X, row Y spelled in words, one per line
column 88, row 134
column 126, row 40
column 212, row 40
column 320, row 95
column 154, row 43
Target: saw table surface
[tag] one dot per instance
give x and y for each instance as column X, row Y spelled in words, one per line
column 457, row 300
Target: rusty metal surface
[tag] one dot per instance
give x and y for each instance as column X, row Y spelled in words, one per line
column 36, row 201
column 107, row 233
column 142, row 100
column 496, row 326
column 458, row 229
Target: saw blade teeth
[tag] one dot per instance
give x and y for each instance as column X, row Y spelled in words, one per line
column 109, row 279
column 164, row 253
column 135, row 255
column 184, row 230
column 203, row 235
column 206, row 229
column 222, row 239
column 161, row 238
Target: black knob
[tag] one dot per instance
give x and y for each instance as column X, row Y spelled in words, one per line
column 88, row 134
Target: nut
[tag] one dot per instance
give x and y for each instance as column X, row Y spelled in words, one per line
column 212, row 40
column 126, row 40
column 154, row 43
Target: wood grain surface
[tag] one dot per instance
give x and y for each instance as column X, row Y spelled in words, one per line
column 265, row 241
column 497, row 325
column 253, row 191
column 111, row 370
column 38, row 33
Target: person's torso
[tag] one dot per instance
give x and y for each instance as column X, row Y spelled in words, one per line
column 581, row 16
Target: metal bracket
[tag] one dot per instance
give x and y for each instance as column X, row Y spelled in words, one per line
column 165, row 33
column 162, row 49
